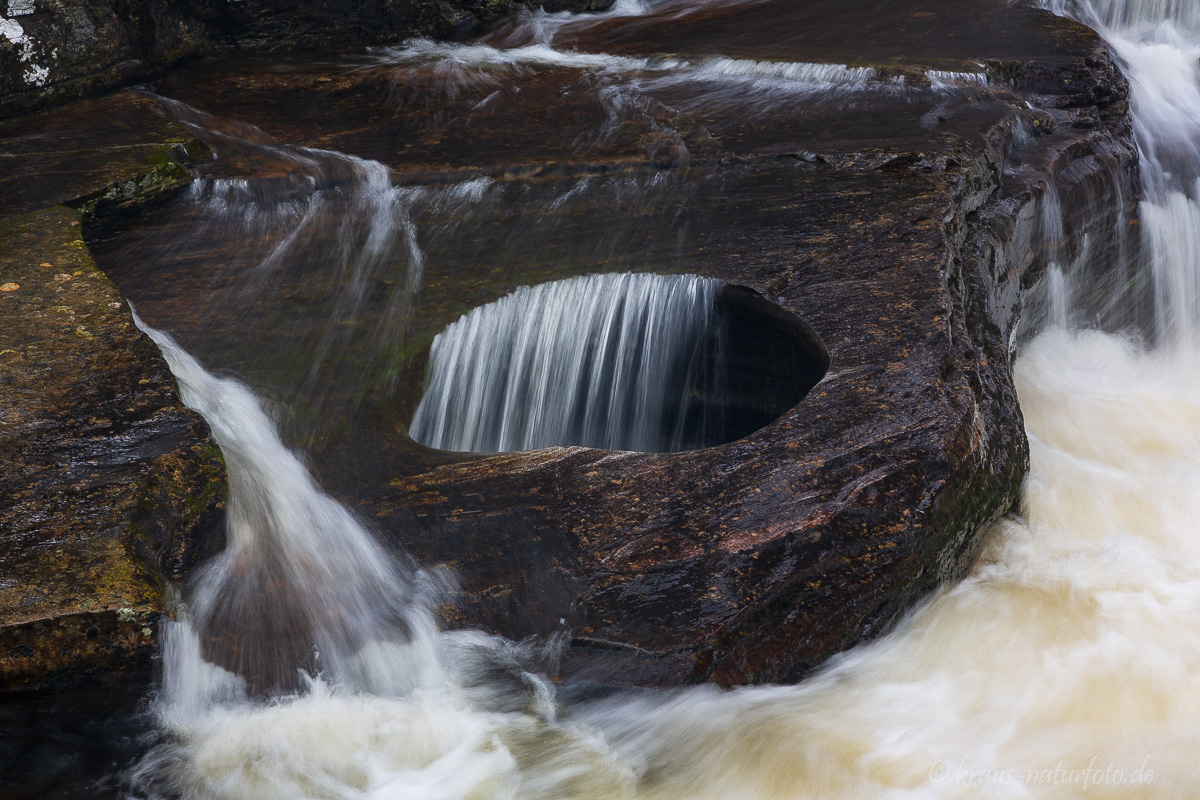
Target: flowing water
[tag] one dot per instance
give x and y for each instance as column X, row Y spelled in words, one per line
column 608, row 361
column 1067, row 664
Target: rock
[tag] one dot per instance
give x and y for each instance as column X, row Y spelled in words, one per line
column 60, row 50
column 108, row 157
column 904, row 229
column 111, row 489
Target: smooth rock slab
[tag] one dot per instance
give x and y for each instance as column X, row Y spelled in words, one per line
column 110, row 486
column 107, row 157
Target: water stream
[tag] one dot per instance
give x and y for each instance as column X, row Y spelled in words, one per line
column 1067, row 664
column 609, row 361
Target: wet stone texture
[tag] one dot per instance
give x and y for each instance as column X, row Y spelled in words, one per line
column 903, row 224
column 110, row 488
column 107, row 158
column 57, row 50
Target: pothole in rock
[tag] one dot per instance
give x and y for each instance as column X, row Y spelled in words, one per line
column 652, row 363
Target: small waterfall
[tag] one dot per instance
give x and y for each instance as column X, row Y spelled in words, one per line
column 1058, row 289
column 307, row 664
column 1060, row 266
column 1162, row 63
column 301, row 584
column 1183, row 14
column 609, row 361
column 1159, row 43
column 941, row 80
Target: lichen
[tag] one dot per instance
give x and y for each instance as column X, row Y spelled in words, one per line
column 35, row 74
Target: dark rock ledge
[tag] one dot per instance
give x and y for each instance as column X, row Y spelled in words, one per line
column 909, row 240
column 905, row 228
column 57, row 50
column 109, row 487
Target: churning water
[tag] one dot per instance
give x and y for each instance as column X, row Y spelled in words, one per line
column 1066, row 665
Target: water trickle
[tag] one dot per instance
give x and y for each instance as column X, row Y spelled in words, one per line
column 941, row 80
column 1058, row 290
column 315, row 250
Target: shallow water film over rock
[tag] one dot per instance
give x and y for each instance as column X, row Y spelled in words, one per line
column 660, row 399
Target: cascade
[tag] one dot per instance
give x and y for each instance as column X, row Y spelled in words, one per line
column 1158, row 42
column 301, row 585
column 610, row 361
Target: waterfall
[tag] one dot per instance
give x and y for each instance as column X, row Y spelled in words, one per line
column 301, row 584
column 364, row 697
column 1158, row 42
column 1117, row 15
column 609, row 361
column 1161, row 60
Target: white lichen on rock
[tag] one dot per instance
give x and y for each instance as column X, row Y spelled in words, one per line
column 10, row 29
column 36, row 75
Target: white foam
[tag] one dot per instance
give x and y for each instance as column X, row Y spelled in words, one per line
column 1066, row 651
column 816, row 77
column 942, row 81
column 452, row 56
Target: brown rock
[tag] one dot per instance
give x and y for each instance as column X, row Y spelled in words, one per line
column 107, row 157
column 903, row 228
column 110, row 486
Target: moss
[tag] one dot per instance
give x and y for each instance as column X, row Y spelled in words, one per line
column 81, row 542
column 158, row 176
column 164, row 179
column 177, row 516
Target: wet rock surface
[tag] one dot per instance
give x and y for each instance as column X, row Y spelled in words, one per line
column 111, row 488
column 59, row 744
column 57, row 50
column 106, row 158
column 902, row 220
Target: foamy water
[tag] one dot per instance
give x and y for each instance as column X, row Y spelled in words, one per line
column 1065, row 665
